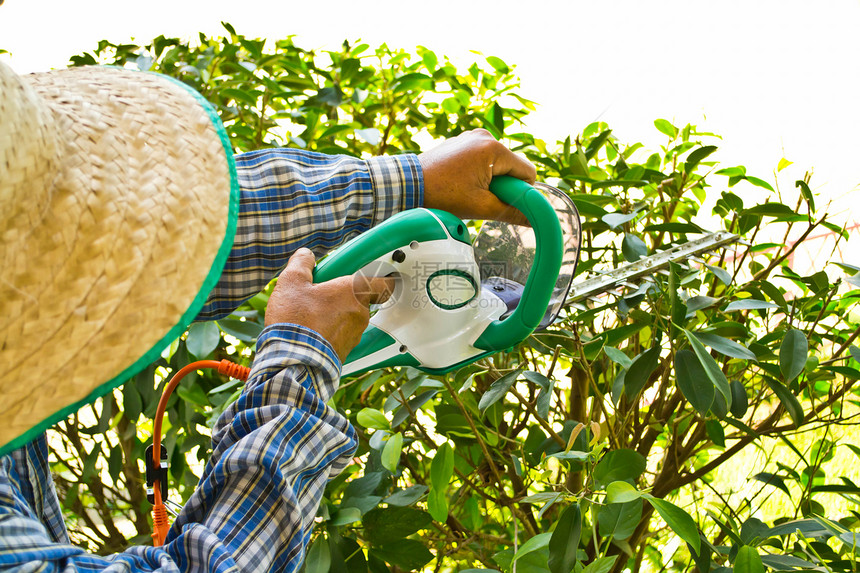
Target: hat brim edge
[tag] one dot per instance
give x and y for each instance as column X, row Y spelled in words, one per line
column 190, row 313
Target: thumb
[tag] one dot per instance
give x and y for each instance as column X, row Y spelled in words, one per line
column 301, row 265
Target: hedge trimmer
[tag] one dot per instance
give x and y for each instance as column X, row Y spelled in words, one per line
column 456, row 300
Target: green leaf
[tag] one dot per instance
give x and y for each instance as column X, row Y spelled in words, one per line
column 619, row 465
column 115, row 462
column 772, row 479
column 588, row 209
column 665, row 127
column 441, row 471
column 623, row 183
column 570, row 455
column 406, row 496
column 716, row 432
column 740, row 402
column 535, row 543
column 640, row 370
column 518, row 466
column 430, row 60
column 497, row 117
column 792, row 406
column 805, row 191
column 727, row 347
column 853, row 448
column 619, row 519
column 699, row 302
column 384, row 525
column 851, row 539
column 773, row 293
column 693, row 381
column 748, row 561
column 244, row 330
column 809, row 527
column 408, row 554
column 437, row 504
column 391, row 452
column 633, row 248
column 318, row 558
column 596, row 143
column 749, row 304
column 442, row 467
column 615, row 220
column 673, row 227
column 770, row 209
column 240, row 96
column 537, row 378
column 738, row 171
column 712, row 369
column 793, row 353
column 372, row 419
column 131, row 402
column 621, row 492
column 564, row 543
column 618, row 357
column 677, row 519
column 721, row 274
column 230, row 384
column 601, row 565
column 542, row 497
column 498, row 389
column 498, row 64
column 193, row 394
column 697, row 155
column 836, row 488
column 202, row 339
column 345, row 516
column 759, row 182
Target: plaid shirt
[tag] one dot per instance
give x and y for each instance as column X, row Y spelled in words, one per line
column 276, row 446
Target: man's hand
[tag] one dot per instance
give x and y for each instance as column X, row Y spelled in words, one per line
column 458, row 172
column 337, row 309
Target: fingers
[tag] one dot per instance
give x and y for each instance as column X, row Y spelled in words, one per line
column 509, row 163
column 372, row 290
column 503, row 212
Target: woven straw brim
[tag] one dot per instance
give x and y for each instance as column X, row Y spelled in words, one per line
column 113, row 240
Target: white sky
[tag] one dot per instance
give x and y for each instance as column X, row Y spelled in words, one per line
column 774, row 77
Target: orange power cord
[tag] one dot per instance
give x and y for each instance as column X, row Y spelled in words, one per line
column 160, row 522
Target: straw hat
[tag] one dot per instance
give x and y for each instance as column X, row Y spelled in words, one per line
column 118, row 202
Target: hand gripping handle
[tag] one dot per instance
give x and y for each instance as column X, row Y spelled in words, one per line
column 502, row 334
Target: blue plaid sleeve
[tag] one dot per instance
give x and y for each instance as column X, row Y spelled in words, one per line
column 274, row 450
column 293, row 198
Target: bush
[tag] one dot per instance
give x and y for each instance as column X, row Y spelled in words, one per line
column 575, row 450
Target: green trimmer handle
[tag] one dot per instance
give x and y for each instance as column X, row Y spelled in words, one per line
column 503, row 334
column 395, row 233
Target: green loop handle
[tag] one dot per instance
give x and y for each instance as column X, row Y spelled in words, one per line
column 503, row 334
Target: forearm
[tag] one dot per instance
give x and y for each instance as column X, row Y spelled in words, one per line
column 292, row 199
column 273, row 452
